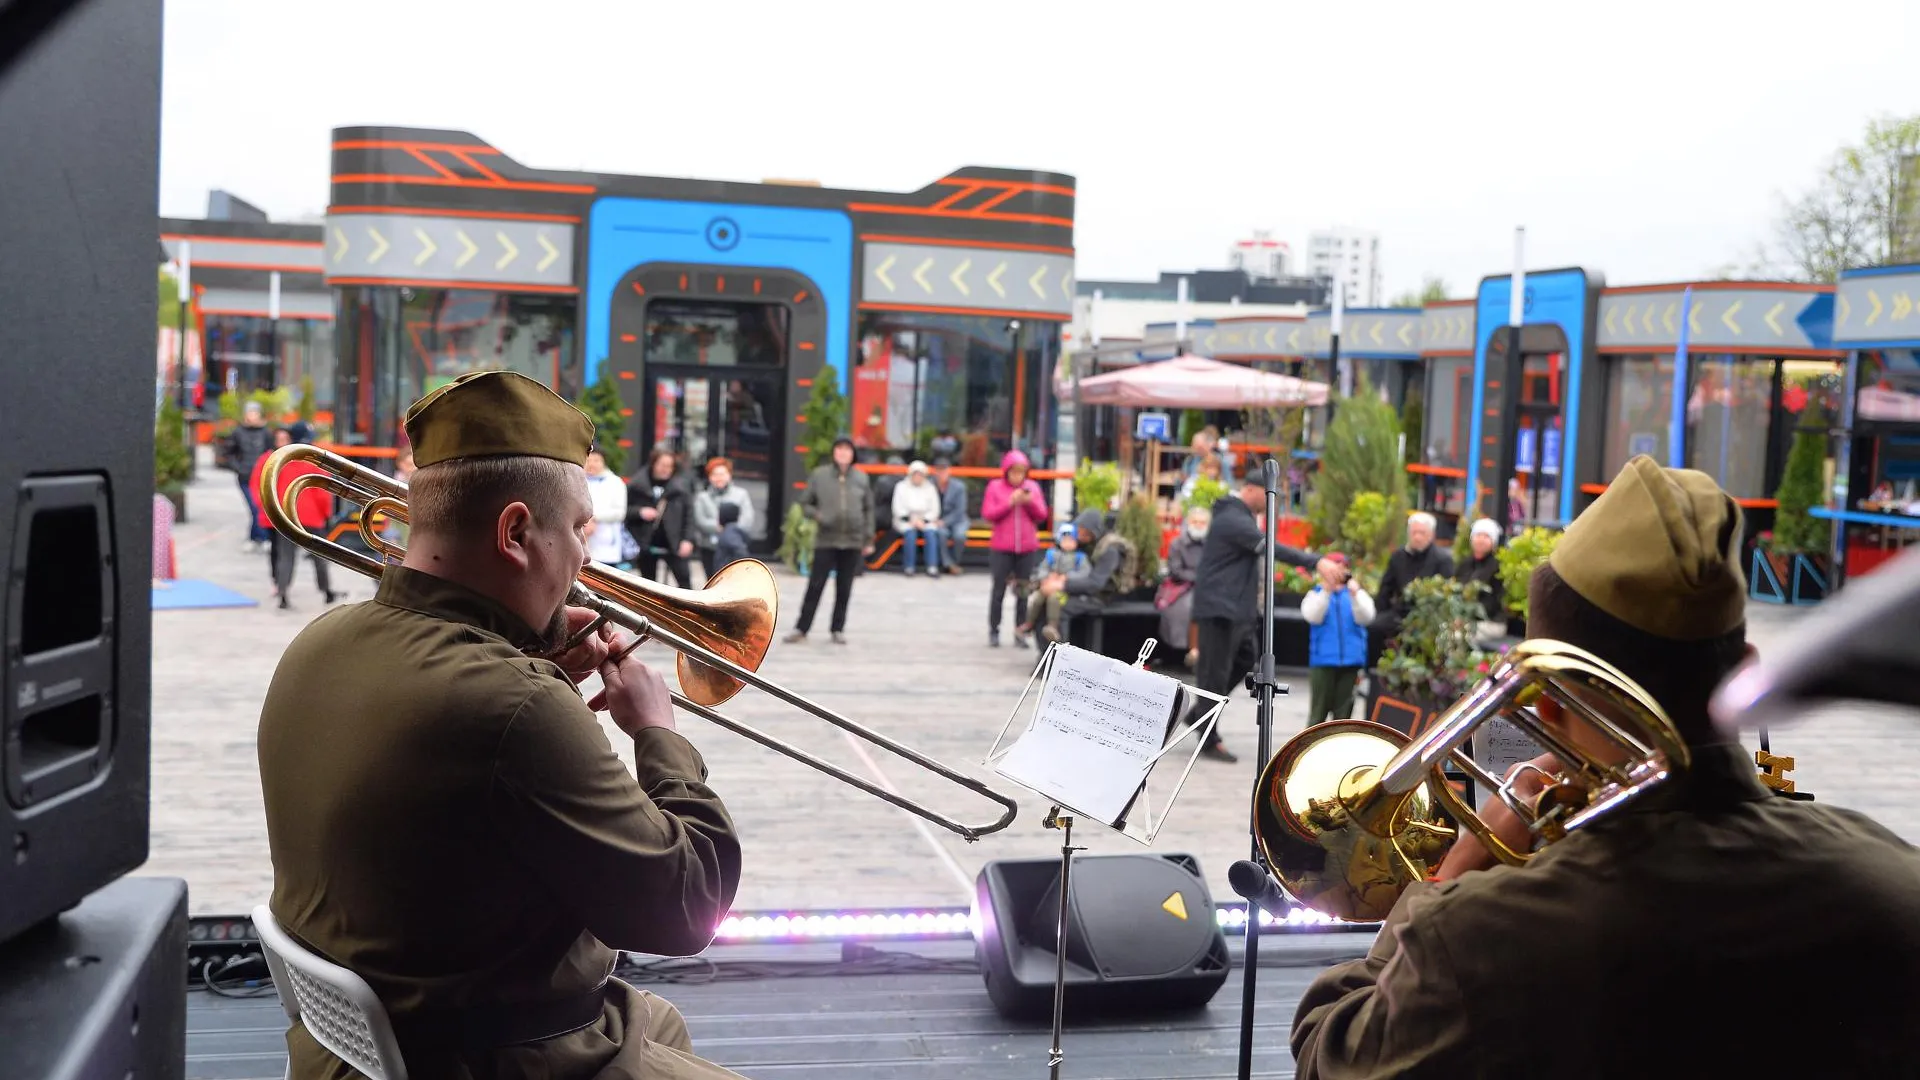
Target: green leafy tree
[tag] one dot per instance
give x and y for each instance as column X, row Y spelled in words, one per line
column 1094, row 486
column 169, row 300
column 1361, row 453
column 1863, row 210
column 307, row 408
column 797, row 534
column 1368, row 532
column 601, row 402
column 1432, row 290
column 1795, row 531
column 1205, row 492
column 1519, row 558
column 172, row 465
column 1139, row 521
column 826, row 416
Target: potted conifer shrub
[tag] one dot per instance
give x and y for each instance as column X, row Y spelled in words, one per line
column 1797, row 550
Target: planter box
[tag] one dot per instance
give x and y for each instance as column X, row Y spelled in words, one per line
column 1777, row 578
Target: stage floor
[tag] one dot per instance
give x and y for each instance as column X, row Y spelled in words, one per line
column 767, row 1019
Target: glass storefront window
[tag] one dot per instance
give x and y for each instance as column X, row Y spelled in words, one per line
column 1728, row 408
column 249, row 352
column 1447, row 421
column 397, row 344
column 918, row 377
column 707, row 333
column 1639, row 411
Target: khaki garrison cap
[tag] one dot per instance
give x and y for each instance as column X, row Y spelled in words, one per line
column 493, row 413
column 1660, row 551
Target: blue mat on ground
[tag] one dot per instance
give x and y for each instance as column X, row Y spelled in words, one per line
column 187, row 593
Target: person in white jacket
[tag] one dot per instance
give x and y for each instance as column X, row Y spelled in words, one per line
column 916, row 517
column 607, row 542
column 1339, row 611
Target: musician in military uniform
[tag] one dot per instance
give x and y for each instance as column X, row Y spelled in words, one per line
column 446, row 816
column 1706, row 928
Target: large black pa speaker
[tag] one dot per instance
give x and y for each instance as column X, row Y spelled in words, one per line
column 1141, row 935
column 79, row 255
column 102, row 991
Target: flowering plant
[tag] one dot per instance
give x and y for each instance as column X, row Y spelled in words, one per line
column 1433, row 658
column 1293, row 579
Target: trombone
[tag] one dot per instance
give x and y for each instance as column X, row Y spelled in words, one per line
column 721, row 632
column 1347, row 813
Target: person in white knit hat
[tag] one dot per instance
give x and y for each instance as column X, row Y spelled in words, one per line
column 1481, row 563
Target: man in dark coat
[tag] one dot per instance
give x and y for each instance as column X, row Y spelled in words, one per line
column 839, row 499
column 1761, row 935
column 1227, row 594
column 445, row 814
column 250, row 441
column 1419, row 558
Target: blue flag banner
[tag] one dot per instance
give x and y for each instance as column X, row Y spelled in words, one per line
column 1677, row 424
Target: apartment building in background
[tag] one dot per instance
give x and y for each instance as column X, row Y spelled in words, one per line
column 1353, row 256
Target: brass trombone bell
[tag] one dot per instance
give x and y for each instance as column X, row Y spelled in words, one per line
column 1349, row 814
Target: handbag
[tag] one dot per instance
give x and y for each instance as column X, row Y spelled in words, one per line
column 1169, row 593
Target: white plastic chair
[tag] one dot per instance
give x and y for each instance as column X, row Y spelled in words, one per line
column 338, row 1008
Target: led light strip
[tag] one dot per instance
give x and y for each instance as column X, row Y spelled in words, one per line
column 923, row 924
column 959, row 924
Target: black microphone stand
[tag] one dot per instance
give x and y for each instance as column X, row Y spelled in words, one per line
column 1264, row 687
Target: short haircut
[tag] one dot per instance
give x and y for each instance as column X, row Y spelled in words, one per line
column 464, row 497
column 1681, row 675
column 1421, row 518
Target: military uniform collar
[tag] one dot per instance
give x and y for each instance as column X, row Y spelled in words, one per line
column 425, row 594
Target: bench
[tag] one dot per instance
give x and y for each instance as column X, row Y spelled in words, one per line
column 887, row 543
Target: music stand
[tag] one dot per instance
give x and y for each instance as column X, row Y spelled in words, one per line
column 1113, row 723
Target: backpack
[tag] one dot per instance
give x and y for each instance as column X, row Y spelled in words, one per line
column 1126, row 576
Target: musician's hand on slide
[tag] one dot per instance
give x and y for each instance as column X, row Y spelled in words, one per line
column 1468, row 853
column 585, row 658
column 633, row 694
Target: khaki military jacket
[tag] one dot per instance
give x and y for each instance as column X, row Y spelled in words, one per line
column 448, row 820
column 1711, row 930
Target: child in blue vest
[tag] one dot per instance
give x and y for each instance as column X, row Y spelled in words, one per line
column 1338, row 611
column 1064, row 558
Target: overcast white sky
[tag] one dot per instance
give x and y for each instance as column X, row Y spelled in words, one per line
column 1648, row 140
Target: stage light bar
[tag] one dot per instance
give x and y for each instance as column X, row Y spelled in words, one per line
column 1295, row 920
column 910, row 925
column 905, row 924
column 934, row 924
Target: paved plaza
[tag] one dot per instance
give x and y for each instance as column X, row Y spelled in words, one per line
column 916, row 668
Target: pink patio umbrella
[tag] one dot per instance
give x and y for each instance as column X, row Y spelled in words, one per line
column 1195, row 382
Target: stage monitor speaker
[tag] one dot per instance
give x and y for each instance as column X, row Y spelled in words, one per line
column 79, row 138
column 102, row 991
column 1141, row 935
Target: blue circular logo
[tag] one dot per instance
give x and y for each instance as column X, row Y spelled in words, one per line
column 723, row 234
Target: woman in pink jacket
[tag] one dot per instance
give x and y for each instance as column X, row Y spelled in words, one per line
column 1017, row 509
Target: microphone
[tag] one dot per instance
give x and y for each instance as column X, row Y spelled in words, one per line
column 1252, row 882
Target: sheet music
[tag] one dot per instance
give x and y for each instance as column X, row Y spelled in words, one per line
column 1096, row 733
column 1499, row 745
